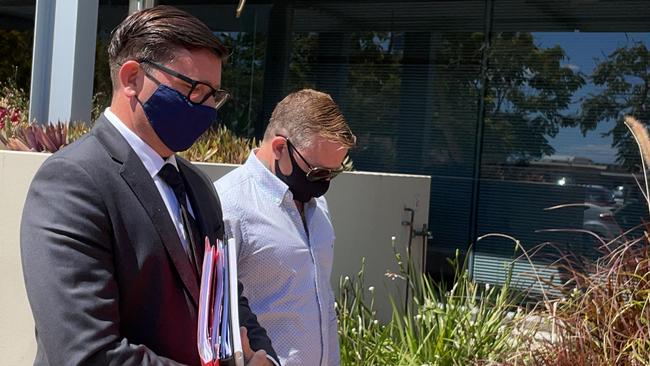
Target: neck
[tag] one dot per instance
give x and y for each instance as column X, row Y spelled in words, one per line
column 127, row 115
column 265, row 155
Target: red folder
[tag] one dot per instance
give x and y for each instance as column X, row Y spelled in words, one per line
column 218, row 337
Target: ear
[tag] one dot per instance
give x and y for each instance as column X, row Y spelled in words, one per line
column 278, row 144
column 131, row 78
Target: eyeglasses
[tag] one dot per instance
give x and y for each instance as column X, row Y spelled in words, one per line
column 318, row 173
column 199, row 91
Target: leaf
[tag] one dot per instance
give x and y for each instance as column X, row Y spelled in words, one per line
column 30, row 138
column 17, row 145
column 43, row 139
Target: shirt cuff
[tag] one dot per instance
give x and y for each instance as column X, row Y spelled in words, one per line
column 273, row 360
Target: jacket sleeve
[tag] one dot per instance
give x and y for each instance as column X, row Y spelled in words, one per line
column 66, row 249
column 256, row 334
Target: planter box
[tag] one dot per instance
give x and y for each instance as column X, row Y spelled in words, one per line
column 367, row 210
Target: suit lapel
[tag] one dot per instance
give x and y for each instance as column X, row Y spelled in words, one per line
column 142, row 185
column 140, row 182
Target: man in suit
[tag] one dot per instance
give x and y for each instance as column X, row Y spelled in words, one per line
column 113, row 226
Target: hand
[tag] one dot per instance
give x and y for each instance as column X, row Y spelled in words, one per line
column 252, row 358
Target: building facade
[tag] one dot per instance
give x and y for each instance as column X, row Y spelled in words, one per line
column 512, row 107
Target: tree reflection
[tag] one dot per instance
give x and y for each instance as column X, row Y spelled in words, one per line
column 623, row 79
column 243, row 76
column 527, row 99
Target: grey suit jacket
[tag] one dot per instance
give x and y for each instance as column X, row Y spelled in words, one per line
column 106, row 275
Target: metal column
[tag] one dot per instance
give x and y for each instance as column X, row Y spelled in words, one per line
column 39, row 96
column 276, row 65
column 64, row 60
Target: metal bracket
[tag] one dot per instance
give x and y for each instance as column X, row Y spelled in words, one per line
column 424, row 232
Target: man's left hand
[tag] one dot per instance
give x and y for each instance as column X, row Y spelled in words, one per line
column 253, row 358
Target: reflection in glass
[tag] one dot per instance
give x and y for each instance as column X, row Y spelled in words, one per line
column 557, row 155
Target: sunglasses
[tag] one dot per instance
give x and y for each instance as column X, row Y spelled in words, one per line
column 199, row 92
column 315, row 173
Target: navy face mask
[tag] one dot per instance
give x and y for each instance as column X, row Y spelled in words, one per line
column 177, row 121
column 301, row 188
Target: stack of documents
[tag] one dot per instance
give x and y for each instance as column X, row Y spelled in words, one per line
column 219, row 340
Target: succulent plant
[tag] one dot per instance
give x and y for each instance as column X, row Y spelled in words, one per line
column 35, row 137
column 220, row 145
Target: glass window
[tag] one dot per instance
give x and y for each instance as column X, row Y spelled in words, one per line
column 534, row 110
column 243, row 73
column 556, row 154
column 407, row 80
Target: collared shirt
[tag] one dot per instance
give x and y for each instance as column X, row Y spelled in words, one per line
column 284, row 267
column 153, row 163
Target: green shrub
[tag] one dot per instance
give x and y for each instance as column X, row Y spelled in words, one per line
column 218, row 145
column 467, row 324
column 362, row 337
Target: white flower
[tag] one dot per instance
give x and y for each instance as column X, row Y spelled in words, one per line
column 393, row 276
column 371, row 288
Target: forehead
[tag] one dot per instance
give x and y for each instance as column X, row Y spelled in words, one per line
column 199, row 64
column 325, row 153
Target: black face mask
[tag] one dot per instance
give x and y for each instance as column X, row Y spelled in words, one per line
column 302, row 189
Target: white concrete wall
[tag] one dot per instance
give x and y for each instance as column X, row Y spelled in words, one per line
column 17, row 343
column 367, row 210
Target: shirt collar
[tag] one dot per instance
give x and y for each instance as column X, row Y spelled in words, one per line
column 272, row 185
column 149, row 157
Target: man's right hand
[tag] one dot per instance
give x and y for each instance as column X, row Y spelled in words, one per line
column 252, row 358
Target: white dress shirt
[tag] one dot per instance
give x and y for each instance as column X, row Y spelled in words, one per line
column 285, row 269
column 153, row 163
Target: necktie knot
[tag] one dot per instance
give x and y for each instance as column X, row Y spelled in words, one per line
column 170, row 175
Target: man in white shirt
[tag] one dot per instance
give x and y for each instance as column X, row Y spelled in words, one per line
column 274, row 207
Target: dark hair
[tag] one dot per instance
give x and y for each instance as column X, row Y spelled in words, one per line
column 156, row 34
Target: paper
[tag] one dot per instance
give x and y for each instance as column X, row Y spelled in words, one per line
column 234, row 303
column 219, row 340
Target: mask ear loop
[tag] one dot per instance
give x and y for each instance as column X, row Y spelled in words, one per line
column 139, row 101
column 287, row 145
column 152, row 78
